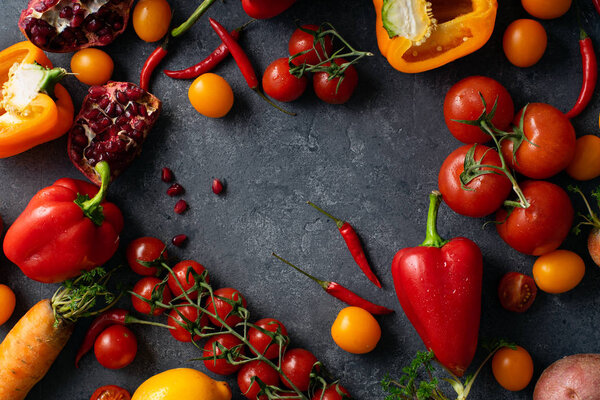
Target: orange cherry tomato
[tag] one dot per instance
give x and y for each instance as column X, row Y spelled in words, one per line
column 151, row 19
column 524, row 42
column 7, row 303
column 512, row 369
column 356, row 330
column 92, row 66
column 586, row 162
column 546, row 9
column 558, row 271
column 211, row 95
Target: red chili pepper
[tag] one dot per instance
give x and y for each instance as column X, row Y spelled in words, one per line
column 438, row 285
column 590, row 75
column 263, row 9
column 152, row 62
column 340, row 292
column 597, row 5
column 353, row 242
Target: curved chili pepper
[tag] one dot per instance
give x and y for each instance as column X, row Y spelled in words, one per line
column 590, row 74
column 353, row 242
column 152, row 62
column 342, row 293
column 597, row 5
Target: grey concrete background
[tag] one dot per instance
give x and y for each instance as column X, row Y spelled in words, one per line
column 371, row 161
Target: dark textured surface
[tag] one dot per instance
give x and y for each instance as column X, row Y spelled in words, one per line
column 371, row 161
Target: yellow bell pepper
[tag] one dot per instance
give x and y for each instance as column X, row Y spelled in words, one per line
column 420, row 35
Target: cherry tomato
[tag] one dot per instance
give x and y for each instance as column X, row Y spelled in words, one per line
column 145, row 249
column 332, row 392
column 115, row 347
column 186, row 315
column 7, row 303
column 328, row 90
column 542, row 227
column 151, row 19
column 524, row 42
column 552, row 144
column 221, row 366
column 463, row 102
column 558, row 271
column 303, row 41
column 223, row 308
column 260, row 370
column 513, row 369
column 297, row 365
column 586, row 161
column 546, row 9
column 186, row 281
column 484, row 194
column 110, row 392
column 279, row 84
column 356, row 330
column 516, row 292
column 145, row 288
column 211, row 95
column 92, row 66
column 262, row 342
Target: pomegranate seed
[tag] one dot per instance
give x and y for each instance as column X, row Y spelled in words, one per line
column 166, row 175
column 180, row 207
column 175, row 190
column 217, row 186
column 179, row 240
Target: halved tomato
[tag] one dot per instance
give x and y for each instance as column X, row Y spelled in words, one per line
column 111, row 392
column 517, row 291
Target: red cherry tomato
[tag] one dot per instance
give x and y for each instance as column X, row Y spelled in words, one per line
column 259, row 370
column 115, row 347
column 552, row 144
column 463, row 102
column 186, row 315
column 223, row 308
column 279, row 84
column 303, row 41
column 517, row 292
column 221, row 366
column 145, row 249
column 333, row 392
column 328, row 90
column 110, row 392
column 262, row 342
column 296, row 365
column 145, row 288
column 484, row 194
column 542, row 226
column 186, row 281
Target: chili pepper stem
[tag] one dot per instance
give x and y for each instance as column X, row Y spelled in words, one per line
column 265, row 98
column 183, row 28
column 432, row 238
column 338, row 222
column 323, row 284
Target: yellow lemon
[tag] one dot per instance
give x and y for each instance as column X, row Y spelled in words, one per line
column 182, row 384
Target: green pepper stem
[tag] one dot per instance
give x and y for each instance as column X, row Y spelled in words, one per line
column 92, row 204
column 50, row 79
column 323, row 284
column 432, row 238
column 338, row 222
column 183, row 28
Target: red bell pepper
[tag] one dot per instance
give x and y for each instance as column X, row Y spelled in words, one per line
column 438, row 285
column 66, row 229
column 263, row 9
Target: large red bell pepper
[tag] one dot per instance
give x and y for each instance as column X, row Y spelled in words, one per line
column 66, row 228
column 439, row 288
column 263, row 9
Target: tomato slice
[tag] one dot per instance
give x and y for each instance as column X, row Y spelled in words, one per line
column 517, row 291
column 111, row 392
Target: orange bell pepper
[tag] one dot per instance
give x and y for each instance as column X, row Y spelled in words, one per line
column 421, row 35
column 41, row 118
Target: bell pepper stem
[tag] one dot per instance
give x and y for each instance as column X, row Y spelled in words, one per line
column 432, row 238
column 183, row 28
column 91, row 208
column 321, row 283
column 51, row 78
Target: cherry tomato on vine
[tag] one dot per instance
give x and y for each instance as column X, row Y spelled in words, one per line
column 332, row 392
column 110, row 392
column 356, row 330
column 145, row 288
column 262, row 371
column 296, row 365
column 586, row 161
column 513, row 369
column 262, row 342
column 517, row 292
column 303, row 41
column 145, row 249
column 552, row 146
column 542, row 227
column 328, row 90
column 7, row 303
column 92, row 66
column 115, row 347
column 221, row 366
column 279, row 84
column 481, row 196
column 524, row 42
column 186, row 314
column 546, row 9
column 186, row 281
column 151, row 19
column 463, row 102
column 223, row 308
column 558, row 271
column 211, row 95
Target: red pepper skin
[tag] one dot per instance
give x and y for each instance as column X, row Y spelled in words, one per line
column 111, row 317
column 597, row 5
column 52, row 240
column 152, row 62
column 354, row 245
column 349, row 297
column 590, row 76
column 263, row 9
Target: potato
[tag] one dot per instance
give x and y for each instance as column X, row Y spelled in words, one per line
column 575, row 377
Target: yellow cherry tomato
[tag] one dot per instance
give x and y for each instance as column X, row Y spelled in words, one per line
column 182, row 384
column 92, row 66
column 586, row 162
column 546, row 9
column 558, row 271
column 7, row 303
column 211, row 95
column 524, row 42
column 512, row 369
column 151, row 19
column 356, row 330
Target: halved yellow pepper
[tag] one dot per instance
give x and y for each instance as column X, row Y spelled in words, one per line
column 430, row 33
